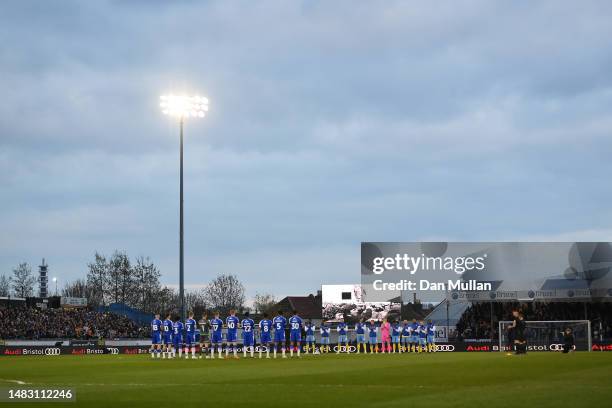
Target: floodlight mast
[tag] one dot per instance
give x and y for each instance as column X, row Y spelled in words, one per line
column 182, row 107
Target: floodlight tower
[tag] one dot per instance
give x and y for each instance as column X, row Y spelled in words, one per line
column 43, row 280
column 182, row 107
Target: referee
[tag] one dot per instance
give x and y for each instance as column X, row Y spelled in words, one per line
column 518, row 329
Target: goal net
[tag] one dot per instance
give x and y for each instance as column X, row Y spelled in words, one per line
column 548, row 335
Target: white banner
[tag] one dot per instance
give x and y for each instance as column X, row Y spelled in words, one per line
column 73, row 301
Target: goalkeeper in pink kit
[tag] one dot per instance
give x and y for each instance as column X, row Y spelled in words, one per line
column 385, row 332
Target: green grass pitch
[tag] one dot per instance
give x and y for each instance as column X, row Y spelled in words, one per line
column 441, row 379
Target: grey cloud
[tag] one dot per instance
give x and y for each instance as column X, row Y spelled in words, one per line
column 330, row 123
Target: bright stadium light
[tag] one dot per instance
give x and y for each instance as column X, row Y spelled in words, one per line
column 182, row 107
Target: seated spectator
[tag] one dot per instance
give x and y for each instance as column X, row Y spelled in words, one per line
column 32, row 323
column 475, row 323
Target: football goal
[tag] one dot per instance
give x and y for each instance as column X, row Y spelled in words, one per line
column 548, row 335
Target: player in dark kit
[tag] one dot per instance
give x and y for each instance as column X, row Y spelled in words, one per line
column 510, row 334
column 204, row 335
column 518, row 328
column 568, row 341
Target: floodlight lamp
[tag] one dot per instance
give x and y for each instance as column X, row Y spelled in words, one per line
column 183, row 106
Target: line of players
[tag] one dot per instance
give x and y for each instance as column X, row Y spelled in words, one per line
column 172, row 337
column 397, row 337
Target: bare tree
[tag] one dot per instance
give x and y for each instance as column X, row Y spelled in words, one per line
column 146, row 277
column 264, row 302
column 116, row 280
column 77, row 288
column 122, row 283
column 196, row 302
column 225, row 292
column 98, row 280
column 167, row 301
column 23, row 281
column 5, row 286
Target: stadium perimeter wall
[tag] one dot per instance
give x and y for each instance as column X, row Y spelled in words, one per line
column 50, row 350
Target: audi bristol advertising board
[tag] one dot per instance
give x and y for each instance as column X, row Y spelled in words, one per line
column 477, row 346
column 56, row 351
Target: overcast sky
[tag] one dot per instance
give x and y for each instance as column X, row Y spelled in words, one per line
column 330, row 123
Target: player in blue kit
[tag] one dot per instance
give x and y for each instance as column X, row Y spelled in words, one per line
column 295, row 333
column 360, row 336
column 422, row 336
column 309, row 328
column 325, row 331
column 265, row 332
column 177, row 338
column 431, row 337
column 190, row 340
column 279, row 323
column 167, row 336
column 373, row 336
column 216, row 337
column 342, row 337
column 405, row 336
column 414, row 335
column 248, row 339
column 156, row 327
column 396, row 332
column 232, row 333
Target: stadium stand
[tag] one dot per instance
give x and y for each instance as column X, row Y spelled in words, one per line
column 138, row 316
column 447, row 312
column 479, row 320
column 33, row 323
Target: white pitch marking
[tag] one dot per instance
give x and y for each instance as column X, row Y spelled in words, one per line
column 14, row 381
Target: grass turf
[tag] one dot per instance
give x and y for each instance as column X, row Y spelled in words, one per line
column 441, row 379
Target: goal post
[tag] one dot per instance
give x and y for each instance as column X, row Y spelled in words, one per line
column 547, row 335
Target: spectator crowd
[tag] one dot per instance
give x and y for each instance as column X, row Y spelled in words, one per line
column 33, row 323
